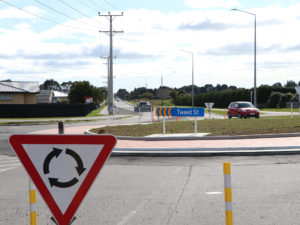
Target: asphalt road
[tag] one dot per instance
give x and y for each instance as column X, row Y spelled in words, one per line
column 179, row 191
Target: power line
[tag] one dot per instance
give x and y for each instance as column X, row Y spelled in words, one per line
column 62, row 13
column 111, row 5
column 87, row 6
column 97, row 5
column 41, row 17
column 76, row 10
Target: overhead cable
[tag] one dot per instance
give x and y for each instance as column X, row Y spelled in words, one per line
column 62, row 13
column 43, row 18
column 76, row 10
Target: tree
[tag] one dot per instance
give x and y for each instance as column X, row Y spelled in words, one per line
column 123, row 94
column 65, row 86
column 81, row 89
column 147, row 96
column 103, row 93
column 290, row 83
column 278, row 84
column 50, row 84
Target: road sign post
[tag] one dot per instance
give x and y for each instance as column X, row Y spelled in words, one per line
column 298, row 92
column 49, row 161
column 209, row 106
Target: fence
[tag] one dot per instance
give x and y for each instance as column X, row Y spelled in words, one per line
column 44, row 110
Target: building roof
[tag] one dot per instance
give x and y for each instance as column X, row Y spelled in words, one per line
column 19, row 86
column 59, row 94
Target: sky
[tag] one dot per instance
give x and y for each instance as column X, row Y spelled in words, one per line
column 60, row 40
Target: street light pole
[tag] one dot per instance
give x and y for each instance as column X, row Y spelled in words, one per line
column 192, row 75
column 255, row 94
column 195, row 126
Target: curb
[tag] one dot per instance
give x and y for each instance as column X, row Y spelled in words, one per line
column 252, row 136
column 200, row 152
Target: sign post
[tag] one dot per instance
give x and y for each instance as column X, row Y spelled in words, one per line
column 49, row 161
column 209, row 106
column 298, row 92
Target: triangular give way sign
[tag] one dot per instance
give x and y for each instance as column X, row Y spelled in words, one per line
column 63, row 167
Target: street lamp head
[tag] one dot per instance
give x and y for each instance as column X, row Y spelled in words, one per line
column 234, row 9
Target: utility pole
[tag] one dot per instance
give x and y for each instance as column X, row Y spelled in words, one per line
column 111, row 32
column 107, row 58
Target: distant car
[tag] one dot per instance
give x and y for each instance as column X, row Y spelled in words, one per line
column 242, row 110
column 143, row 107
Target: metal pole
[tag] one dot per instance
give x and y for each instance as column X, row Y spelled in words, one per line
column 255, row 93
column 299, row 104
column 192, row 79
column 139, row 115
column 110, row 94
column 291, row 109
column 195, row 130
column 164, row 125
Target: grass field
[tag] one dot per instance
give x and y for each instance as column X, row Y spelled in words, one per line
column 280, row 110
column 267, row 125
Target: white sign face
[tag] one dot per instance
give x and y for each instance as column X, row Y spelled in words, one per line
column 63, row 168
column 209, row 105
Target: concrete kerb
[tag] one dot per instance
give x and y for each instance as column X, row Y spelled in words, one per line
column 168, row 138
column 190, row 152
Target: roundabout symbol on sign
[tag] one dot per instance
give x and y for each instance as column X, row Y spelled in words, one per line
column 55, row 181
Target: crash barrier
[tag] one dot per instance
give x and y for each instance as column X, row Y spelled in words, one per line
column 228, row 193
column 44, row 110
column 32, row 204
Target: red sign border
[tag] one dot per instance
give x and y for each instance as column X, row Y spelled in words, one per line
column 108, row 142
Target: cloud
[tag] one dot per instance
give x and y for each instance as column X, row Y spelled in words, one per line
column 206, row 4
column 13, row 13
column 209, row 25
column 68, row 63
column 244, row 48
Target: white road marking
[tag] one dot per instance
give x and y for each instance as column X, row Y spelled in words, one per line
column 8, row 163
column 13, row 164
column 214, row 193
column 9, row 168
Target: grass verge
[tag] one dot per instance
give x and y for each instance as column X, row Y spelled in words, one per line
column 269, row 125
column 96, row 112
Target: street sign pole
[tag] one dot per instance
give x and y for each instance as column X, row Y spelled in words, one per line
column 195, row 130
column 298, row 92
column 164, row 125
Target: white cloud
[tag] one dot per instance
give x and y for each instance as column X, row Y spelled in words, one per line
column 222, row 41
column 207, row 4
column 14, row 13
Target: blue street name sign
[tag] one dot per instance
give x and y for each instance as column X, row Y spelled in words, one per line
column 180, row 112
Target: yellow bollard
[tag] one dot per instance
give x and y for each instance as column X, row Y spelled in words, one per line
column 227, row 193
column 32, row 201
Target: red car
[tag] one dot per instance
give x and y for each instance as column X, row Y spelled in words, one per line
column 242, row 109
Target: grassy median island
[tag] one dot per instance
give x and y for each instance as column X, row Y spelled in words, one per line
column 267, row 125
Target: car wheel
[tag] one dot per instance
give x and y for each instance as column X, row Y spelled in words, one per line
column 245, row 116
column 229, row 116
column 257, row 117
column 240, row 116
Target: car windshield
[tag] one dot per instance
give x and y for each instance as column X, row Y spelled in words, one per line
column 246, row 105
column 143, row 103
